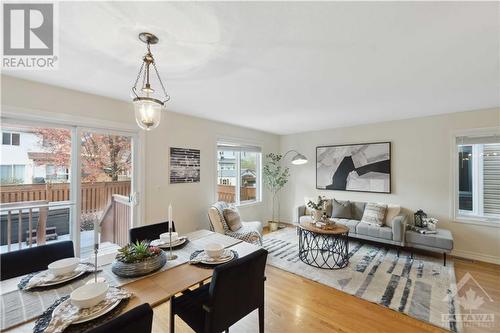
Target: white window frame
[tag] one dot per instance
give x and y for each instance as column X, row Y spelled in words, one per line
column 10, row 135
column 477, row 215
column 258, row 191
column 78, row 124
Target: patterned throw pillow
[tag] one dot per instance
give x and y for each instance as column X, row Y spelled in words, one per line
column 374, row 214
column 341, row 209
column 232, row 218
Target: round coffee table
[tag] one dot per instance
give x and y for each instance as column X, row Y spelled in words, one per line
column 324, row 248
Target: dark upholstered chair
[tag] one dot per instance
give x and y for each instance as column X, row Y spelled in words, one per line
column 137, row 320
column 149, row 232
column 236, row 289
column 34, row 259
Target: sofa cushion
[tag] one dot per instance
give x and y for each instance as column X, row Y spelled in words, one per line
column 350, row 224
column 232, row 218
column 443, row 239
column 341, row 209
column 374, row 231
column 357, row 210
column 374, row 214
column 391, row 212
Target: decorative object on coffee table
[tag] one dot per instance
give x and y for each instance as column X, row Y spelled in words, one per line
column 358, row 167
column 318, row 208
column 326, row 247
column 138, row 259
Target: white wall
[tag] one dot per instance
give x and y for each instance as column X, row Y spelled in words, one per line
column 421, row 171
column 190, row 201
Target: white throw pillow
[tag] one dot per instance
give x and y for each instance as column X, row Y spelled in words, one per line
column 306, row 200
column 374, row 214
column 391, row 212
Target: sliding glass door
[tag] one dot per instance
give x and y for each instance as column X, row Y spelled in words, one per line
column 36, row 197
column 106, row 187
column 59, row 182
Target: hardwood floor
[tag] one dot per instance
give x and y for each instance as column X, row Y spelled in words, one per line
column 296, row 304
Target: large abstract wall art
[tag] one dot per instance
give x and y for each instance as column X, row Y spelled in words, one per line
column 358, row 167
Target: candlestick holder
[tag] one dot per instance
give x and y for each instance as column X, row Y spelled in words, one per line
column 171, row 256
column 96, row 249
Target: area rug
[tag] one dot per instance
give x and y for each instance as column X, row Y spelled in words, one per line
column 419, row 287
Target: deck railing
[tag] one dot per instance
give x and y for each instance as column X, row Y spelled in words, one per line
column 227, row 193
column 116, row 220
column 95, row 196
column 16, row 211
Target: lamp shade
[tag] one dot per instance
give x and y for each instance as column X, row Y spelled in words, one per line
column 299, row 159
column 147, row 112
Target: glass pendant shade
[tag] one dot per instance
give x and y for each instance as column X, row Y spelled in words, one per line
column 147, row 113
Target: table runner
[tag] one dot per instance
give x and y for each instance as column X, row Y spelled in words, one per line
column 17, row 306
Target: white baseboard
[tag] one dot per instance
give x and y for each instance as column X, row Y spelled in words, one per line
column 476, row 256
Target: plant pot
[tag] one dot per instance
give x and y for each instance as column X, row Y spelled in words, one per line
column 273, row 226
column 139, row 268
column 317, row 215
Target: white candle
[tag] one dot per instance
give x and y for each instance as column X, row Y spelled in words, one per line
column 169, row 216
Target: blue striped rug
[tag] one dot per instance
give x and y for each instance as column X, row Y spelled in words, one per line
column 419, row 287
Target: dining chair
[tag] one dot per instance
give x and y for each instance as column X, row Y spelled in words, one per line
column 236, row 289
column 149, row 232
column 33, row 259
column 137, row 320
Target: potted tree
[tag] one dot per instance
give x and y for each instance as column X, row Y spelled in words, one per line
column 275, row 178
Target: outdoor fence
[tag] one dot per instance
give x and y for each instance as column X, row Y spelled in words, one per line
column 95, row 196
column 227, row 193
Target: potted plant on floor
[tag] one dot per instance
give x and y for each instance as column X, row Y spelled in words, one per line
column 137, row 259
column 275, row 178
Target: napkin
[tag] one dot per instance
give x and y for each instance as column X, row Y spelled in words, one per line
column 46, row 277
column 202, row 256
column 66, row 313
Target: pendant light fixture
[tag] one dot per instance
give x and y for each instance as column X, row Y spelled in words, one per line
column 148, row 104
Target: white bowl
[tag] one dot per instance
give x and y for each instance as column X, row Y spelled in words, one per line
column 166, row 237
column 214, row 250
column 89, row 295
column 63, row 266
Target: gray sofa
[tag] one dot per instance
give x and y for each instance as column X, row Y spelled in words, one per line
column 393, row 234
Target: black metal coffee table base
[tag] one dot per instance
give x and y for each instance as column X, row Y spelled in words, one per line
column 324, row 250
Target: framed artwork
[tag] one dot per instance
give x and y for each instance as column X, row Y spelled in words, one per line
column 362, row 167
column 184, row 165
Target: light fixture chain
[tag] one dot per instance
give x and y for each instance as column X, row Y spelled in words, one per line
column 167, row 97
column 138, row 77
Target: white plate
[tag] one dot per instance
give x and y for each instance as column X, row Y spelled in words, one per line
column 91, row 316
column 217, row 262
column 66, row 279
column 164, row 245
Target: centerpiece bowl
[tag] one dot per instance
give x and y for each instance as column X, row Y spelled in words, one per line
column 138, row 259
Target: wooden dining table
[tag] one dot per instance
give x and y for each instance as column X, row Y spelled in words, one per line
column 158, row 288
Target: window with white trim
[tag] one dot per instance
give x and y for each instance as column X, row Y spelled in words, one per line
column 238, row 173
column 11, row 139
column 478, row 178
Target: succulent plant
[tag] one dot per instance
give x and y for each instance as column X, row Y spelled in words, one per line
column 137, row 252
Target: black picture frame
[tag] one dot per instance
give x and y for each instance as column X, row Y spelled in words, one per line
column 387, row 166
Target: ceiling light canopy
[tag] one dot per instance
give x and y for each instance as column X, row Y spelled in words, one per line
column 148, row 104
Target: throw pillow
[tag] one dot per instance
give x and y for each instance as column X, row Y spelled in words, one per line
column 232, row 218
column 341, row 209
column 391, row 213
column 374, row 214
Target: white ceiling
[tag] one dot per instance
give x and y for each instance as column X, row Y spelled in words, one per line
column 286, row 67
